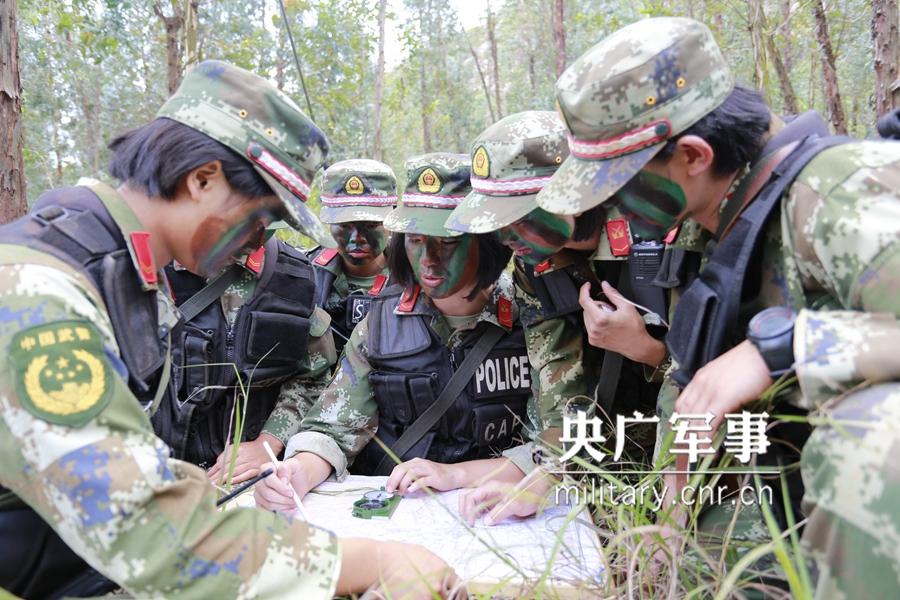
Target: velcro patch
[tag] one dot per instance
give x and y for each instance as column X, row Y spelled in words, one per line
column 62, row 373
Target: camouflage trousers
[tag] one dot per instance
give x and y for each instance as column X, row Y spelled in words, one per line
column 851, row 469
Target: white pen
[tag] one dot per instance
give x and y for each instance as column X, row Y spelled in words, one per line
column 274, row 460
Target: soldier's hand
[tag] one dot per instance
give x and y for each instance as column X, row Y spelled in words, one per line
column 501, row 500
column 419, row 473
column 726, row 384
column 395, row 570
column 276, row 492
column 618, row 327
column 249, row 458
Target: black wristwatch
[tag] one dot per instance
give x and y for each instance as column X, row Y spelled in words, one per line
column 772, row 332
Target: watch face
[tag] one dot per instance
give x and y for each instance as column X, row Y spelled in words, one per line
column 772, row 322
column 377, row 496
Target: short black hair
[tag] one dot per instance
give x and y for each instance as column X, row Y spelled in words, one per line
column 735, row 130
column 588, row 222
column 156, row 156
column 492, row 259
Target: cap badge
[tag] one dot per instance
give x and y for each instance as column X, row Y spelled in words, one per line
column 481, row 165
column 429, row 182
column 354, row 186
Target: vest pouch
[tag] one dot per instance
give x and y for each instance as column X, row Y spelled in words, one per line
column 196, row 368
column 398, row 394
column 277, row 337
column 356, row 308
column 494, row 425
column 690, row 339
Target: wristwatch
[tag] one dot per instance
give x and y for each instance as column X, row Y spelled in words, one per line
column 772, row 332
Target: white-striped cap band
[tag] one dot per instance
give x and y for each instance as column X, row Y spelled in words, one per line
column 630, row 141
column 510, row 187
column 334, row 201
column 280, row 171
column 431, row 200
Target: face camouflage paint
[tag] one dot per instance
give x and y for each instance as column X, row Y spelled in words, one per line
column 359, row 242
column 652, row 204
column 221, row 238
column 443, row 265
column 537, row 236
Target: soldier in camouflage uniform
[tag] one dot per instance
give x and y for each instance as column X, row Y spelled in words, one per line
column 356, row 195
column 208, row 356
column 804, row 278
column 84, row 327
column 400, row 357
column 512, row 160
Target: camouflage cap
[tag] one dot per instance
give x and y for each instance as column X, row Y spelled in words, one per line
column 512, row 160
column 623, row 98
column 252, row 117
column 357, row 190
column 435, row 184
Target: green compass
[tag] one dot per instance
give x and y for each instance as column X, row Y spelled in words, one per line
column 377, row 504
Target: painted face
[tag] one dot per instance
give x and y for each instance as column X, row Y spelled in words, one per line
column 359, row 242
column 538, row 235
column 652, row 203
column 443, row 266
column 236, row 231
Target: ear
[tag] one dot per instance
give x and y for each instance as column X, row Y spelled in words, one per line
column 203, row 178
column 697, row 155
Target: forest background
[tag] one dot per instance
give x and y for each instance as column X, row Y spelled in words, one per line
column 391, row 79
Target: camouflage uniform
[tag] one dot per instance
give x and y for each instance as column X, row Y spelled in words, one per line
column 346, row 418
column 352, row 191
column 832, row 255
column 76, row 445
column 512, row 161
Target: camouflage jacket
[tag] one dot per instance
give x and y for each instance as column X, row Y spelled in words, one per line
column 82, row 453
column 834, row 256
column 300, row 392
column 346, row 417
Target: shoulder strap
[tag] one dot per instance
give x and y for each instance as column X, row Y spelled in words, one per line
column 197, row 303
column 445, row 400
column 611, row 368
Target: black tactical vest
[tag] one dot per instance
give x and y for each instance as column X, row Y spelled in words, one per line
column 346, row 312
column 411, row 365
column 269, row 336
column 72, row 225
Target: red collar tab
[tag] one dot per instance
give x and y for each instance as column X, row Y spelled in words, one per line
column 326, row 256
column 672, row 235
column 140, row 242
column 544, row 266
column 617, row 233
column 408, row 299
column 255, row 260
column 376, row 288
column 504, row 312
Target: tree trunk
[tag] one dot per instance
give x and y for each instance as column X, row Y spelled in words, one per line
column 832, row 92
column 787, row 88
column 173, row 25
column 756, row 25
column 378, row 152
column 484, row 85
column 423, row 86
column 492, row 40
column 885, row 39
column 559, row 36
column 12, row 170
column 787, row 51
column 191, row 29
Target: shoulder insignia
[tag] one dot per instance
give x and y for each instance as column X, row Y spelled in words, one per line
column 617, row 233
column 429, row 182
column 408, row 299
column 255, row 260
column 504, row 312
column 140, row 242
column 62, row 373
column 481, row 164
column 376, row 288
column 326, row 256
